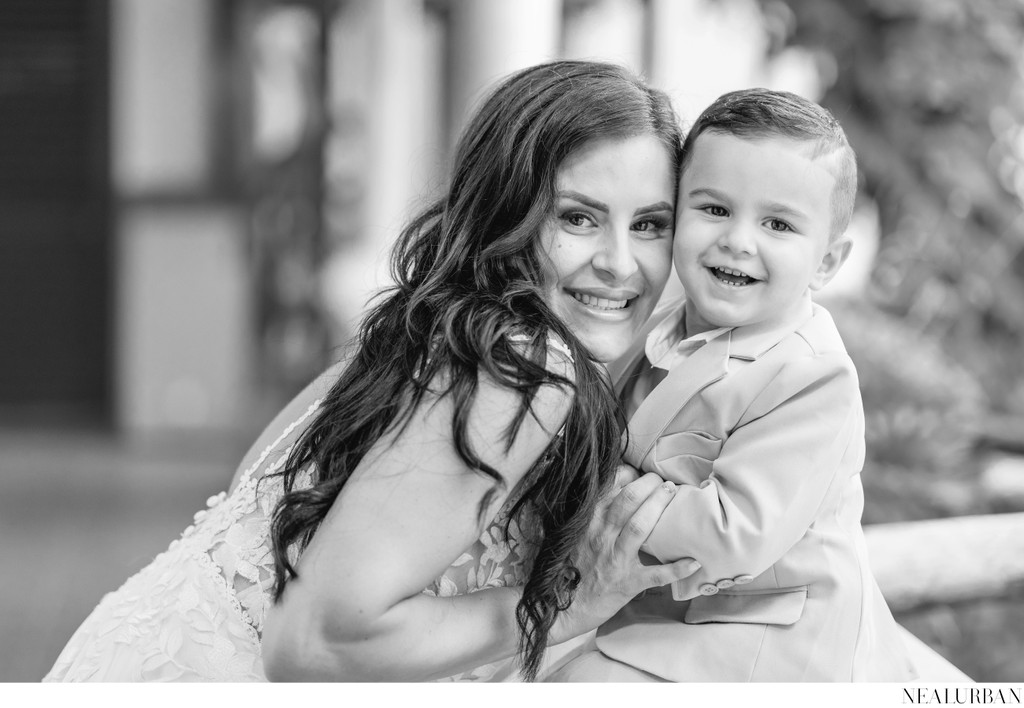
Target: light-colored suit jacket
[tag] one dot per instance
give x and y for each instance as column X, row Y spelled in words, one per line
column 764, row 433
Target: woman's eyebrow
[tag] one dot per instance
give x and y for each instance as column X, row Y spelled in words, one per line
column 659, row 206
column 584, row 199
column 602, row 207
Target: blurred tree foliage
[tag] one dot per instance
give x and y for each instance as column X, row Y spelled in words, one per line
column 930, row 93
column 920, row 411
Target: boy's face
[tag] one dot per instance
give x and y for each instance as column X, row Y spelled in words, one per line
column 752, row 231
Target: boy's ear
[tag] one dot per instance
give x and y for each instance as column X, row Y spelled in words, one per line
column 832, row 261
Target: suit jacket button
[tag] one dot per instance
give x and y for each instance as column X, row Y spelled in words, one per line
column 742, row 579
column 708, row 589
column 725, row 583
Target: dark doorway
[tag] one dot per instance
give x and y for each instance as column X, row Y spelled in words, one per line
column 55, row 242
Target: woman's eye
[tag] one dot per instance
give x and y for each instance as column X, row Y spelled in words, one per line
column 779, row 225
column 648, row 225
column 715, row 210
column 577, row 219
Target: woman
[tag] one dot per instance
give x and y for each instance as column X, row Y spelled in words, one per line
column 434, row 503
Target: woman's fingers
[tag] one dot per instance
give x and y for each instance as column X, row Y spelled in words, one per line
column 611, row 571
column 639, row 527
column 625, row 474
column 642, row 521
column 630, row 499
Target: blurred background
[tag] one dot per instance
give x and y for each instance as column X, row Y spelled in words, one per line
column 197, row 198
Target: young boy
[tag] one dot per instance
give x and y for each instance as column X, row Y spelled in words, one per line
column 744, row 396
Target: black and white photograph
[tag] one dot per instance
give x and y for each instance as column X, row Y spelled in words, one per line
column 513, row 342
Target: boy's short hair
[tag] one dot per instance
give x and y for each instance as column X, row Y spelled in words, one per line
column 760, row 113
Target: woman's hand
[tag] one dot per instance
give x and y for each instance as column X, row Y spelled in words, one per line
column 609, row 560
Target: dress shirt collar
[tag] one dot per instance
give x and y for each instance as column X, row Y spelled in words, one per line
column 665, row 345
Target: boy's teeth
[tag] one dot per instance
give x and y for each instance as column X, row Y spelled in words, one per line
column 600, row 302
column 731, row 276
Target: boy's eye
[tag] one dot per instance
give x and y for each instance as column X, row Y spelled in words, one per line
column 716, row 210
column 779, row 225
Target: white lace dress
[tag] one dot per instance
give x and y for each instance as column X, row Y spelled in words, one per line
column 196, row 612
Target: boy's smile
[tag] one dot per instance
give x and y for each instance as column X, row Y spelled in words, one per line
column 732, row 277
column 752, row 238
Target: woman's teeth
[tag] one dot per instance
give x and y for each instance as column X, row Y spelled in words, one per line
column 732, row 277
column 600, row 302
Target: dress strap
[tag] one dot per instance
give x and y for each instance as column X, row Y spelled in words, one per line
column 270, row 448
column 553, row 343
column 559, row 346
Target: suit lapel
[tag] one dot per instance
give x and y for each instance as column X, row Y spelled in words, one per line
column 705, row 366
column 631, row 360
column 623, row 369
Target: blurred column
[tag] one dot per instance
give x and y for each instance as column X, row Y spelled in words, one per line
column 700, row 50
column 161, row 110
column 384, row 151
column 491, row 38
column 183, row 348
column 405, row 123
column 606, row 30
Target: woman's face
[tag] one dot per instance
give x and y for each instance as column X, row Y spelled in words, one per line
column 608, row 240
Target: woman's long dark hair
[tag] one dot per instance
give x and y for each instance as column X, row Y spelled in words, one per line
column 468, row 275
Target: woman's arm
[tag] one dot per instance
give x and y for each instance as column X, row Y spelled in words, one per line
column 357, row 612
column 419, row 639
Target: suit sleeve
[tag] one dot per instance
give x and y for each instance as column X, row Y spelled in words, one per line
column 801, row 433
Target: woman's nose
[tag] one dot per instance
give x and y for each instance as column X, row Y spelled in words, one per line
column 615, row 256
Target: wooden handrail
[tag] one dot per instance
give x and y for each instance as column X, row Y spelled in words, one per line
column 1003, row 433
column 949, row 560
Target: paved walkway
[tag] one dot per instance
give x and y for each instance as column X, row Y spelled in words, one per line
column 79, row 513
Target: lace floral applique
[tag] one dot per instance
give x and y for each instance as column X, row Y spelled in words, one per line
column 493, row 561
column 232, row 536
